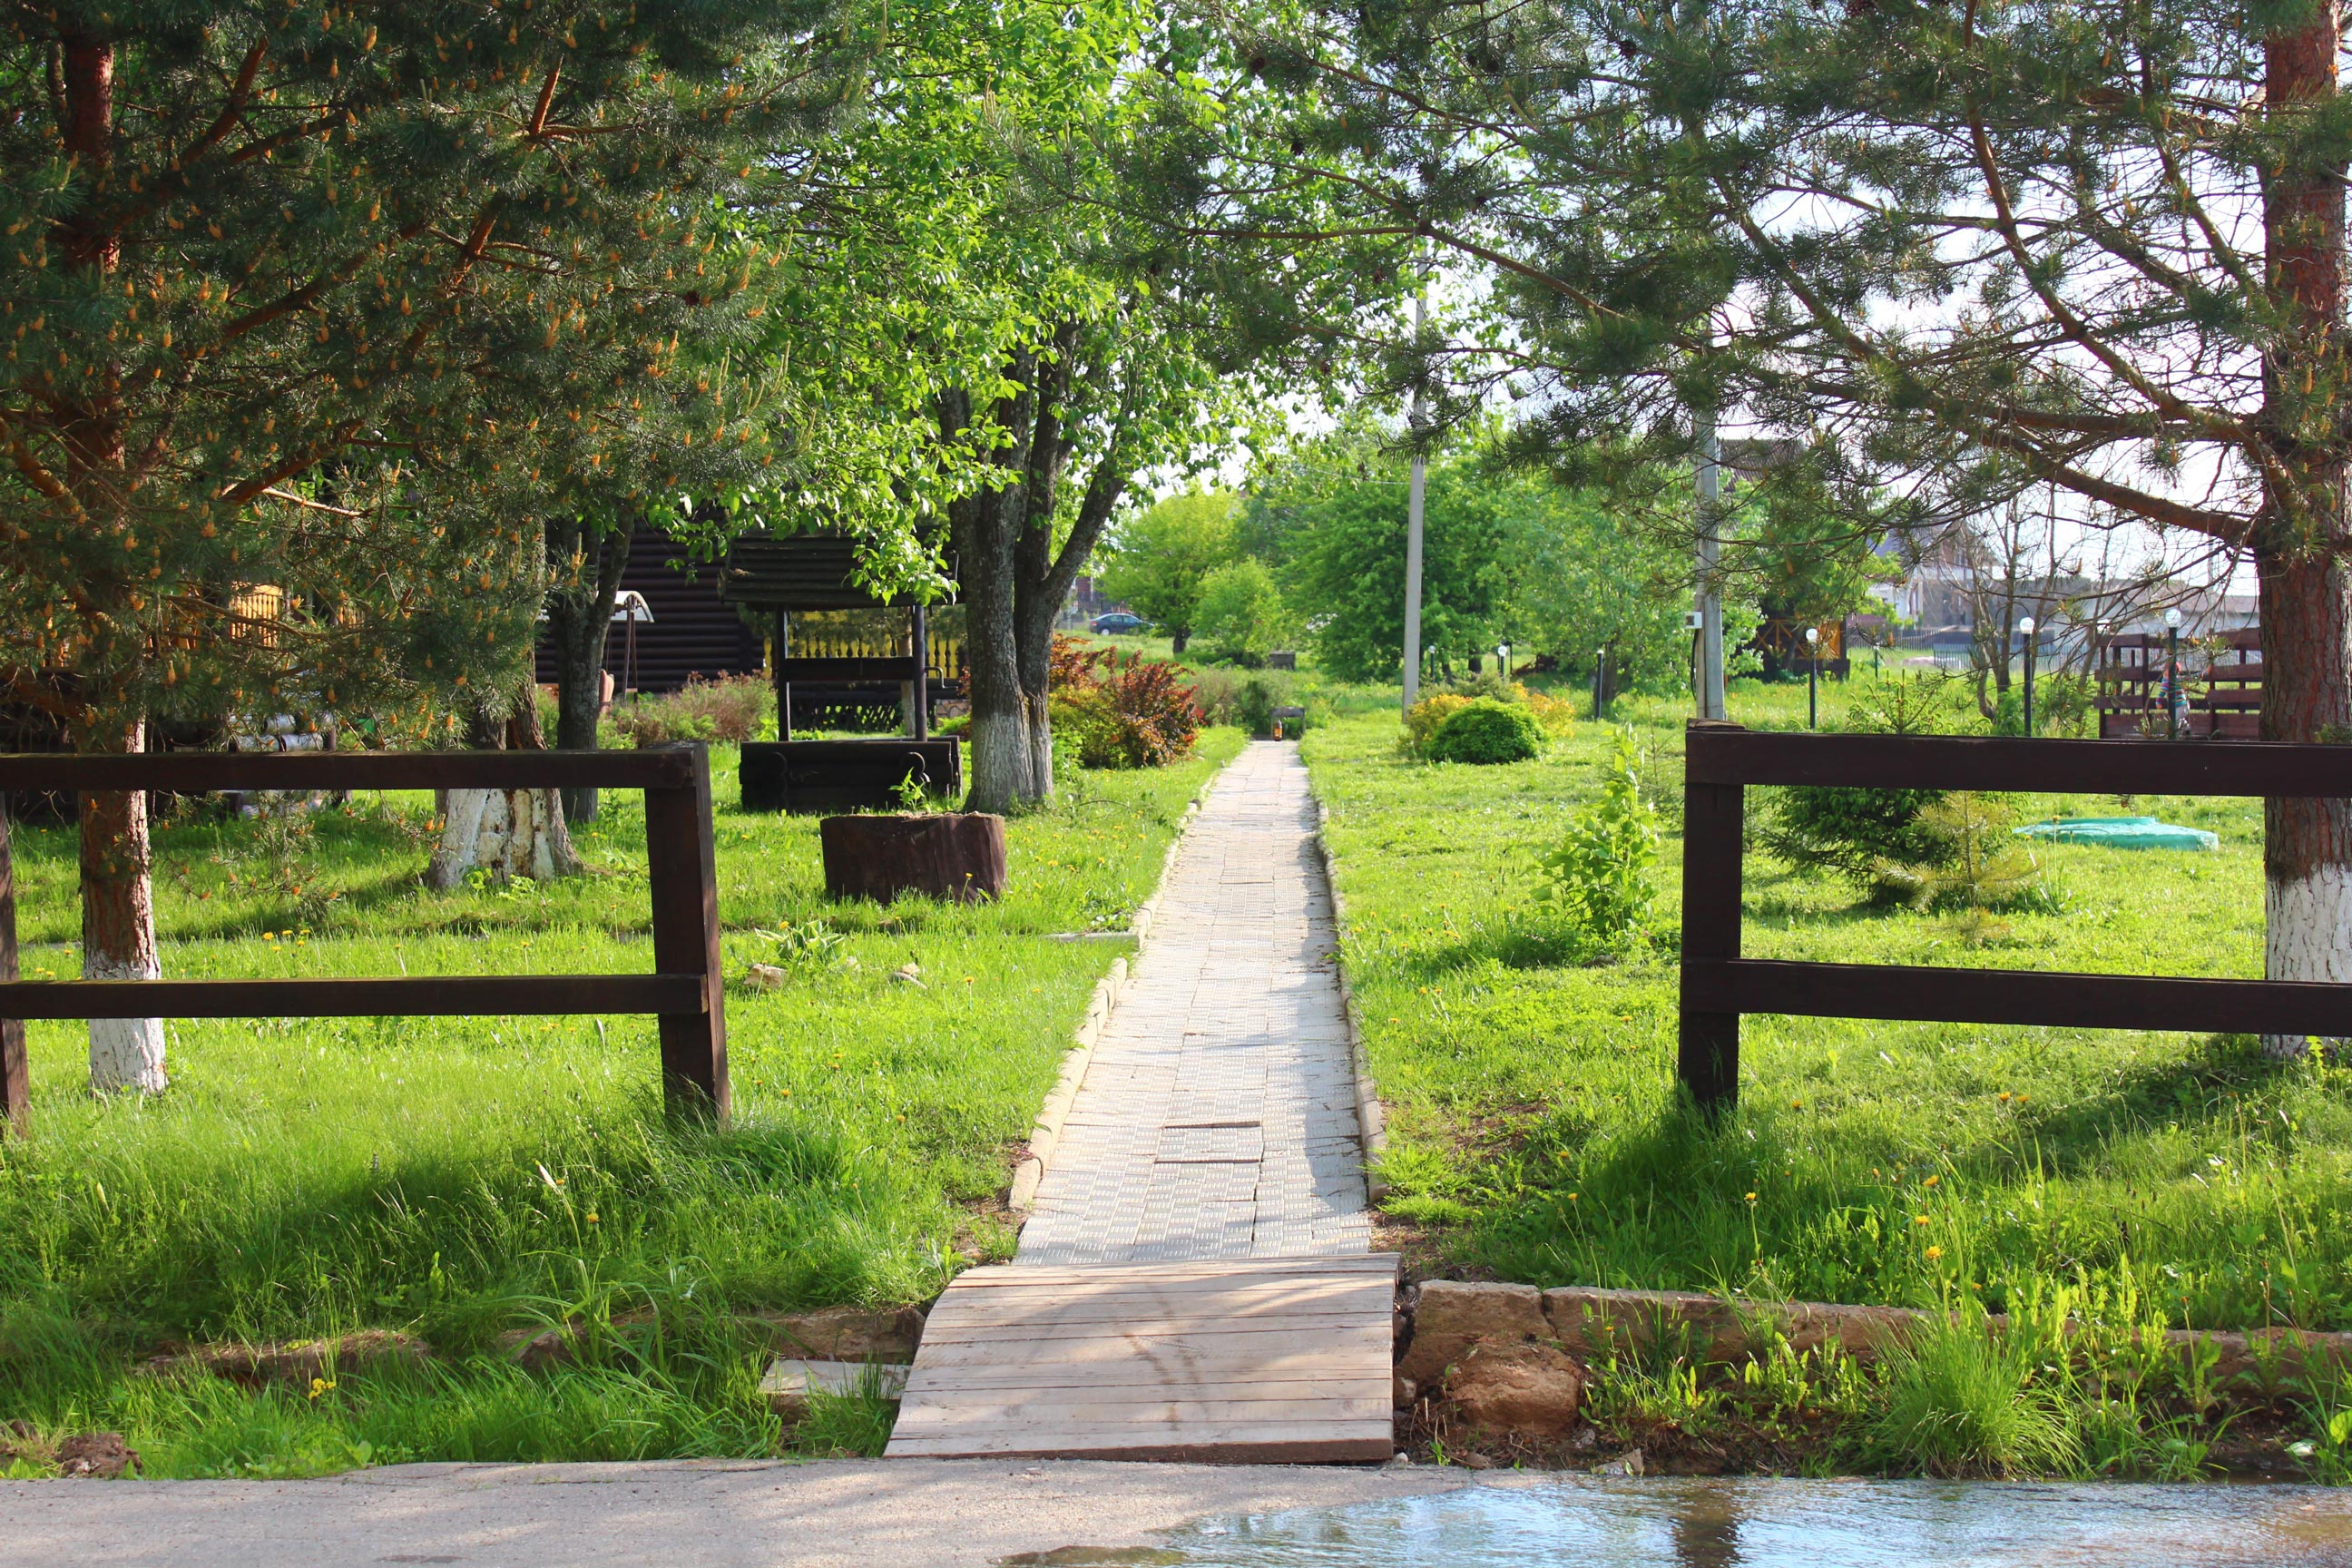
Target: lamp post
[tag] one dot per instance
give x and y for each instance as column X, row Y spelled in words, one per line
column 1599, row 676
column 1812, row 677
column 1502, row 659
column 2100, row 655
column 2025, row 625
column 2172, row 674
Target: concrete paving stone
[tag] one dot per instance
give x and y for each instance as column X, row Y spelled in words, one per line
column 1230, row 1015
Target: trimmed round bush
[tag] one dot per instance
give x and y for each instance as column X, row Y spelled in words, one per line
column 1487, row 732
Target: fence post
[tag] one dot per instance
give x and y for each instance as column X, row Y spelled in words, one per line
column 1706, row 1061
column 16, row 1089
column 682, row 863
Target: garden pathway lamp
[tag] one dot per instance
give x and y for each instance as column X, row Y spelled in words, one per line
column 2172, row 675
column 1600, row 678
column 1812, row 677
column 2025, row 625
column 1503, row 657
column 629, row 608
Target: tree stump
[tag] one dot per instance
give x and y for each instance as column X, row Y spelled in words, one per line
column 957, row 857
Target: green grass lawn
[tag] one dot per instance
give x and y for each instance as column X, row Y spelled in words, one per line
column 1534, row 1129
column 463, row 1177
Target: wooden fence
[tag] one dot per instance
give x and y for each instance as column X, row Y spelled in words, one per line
column 684, row 990
column 1718, row 985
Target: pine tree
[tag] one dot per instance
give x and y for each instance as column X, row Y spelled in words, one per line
column 1972, row 248
column 294, row 299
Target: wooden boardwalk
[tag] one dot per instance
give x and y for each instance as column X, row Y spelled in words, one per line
column 1240, row 1361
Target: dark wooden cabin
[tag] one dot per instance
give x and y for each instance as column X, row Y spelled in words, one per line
column 694, row 631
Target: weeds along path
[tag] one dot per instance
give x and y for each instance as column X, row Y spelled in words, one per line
column 1218, row 1115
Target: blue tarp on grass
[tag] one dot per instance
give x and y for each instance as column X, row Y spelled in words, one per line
column 2121, row 833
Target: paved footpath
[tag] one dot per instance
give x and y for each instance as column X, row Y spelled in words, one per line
column 710, row 1513
column 1218, row 1115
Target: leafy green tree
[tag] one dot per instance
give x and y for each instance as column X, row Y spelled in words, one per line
column 1159, row 559
column 1578, row 580
column 1338, row 506
column 1242, row 615
column 1975, row 249
column 296, row 299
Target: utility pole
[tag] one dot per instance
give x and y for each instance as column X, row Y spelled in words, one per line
column 1413, row 532
column 1710, row 557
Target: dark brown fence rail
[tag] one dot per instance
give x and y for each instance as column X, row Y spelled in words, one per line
column 684, row 992
column 1718, row 985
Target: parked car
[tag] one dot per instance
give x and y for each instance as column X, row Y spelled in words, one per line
column 1119, row 623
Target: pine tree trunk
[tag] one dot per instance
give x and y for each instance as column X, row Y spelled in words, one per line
column 506, row 832
column 2305, row 600
column 2306, row 615
column 118, row 922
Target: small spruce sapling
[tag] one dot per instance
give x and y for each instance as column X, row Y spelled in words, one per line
column 1600, row 872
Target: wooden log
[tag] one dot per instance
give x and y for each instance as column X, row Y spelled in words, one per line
column 956, row 856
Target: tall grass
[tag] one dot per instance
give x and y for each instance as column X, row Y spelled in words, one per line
column 463, row 1178
column 1534, row 1131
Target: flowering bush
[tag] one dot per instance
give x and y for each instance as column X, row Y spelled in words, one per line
column 1425, row 718
column 1142, row 716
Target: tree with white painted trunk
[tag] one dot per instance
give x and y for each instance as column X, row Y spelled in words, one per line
column 1968, row 250
column 508, row 833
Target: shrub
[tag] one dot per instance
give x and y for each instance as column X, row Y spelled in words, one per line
column 1072, row 665
column 1143, row 716
column 1557, row 718
column 1855, row 833
column 1600, row 872
column 1425, row 718
column 1259, row 696
column 1487, row 732
column 1978, row 863
column 1215, row 693
column 733, row 708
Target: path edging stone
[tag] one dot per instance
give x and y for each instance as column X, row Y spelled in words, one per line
column 1054, row 1113
column 1371, row 1116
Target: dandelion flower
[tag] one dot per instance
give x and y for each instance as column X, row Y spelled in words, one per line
column 1796, row 1105
column 1571, row 1197
column 1933, row 1253
column 1919, row 1219
column 592, row 1216
column 1931, row 1181
column 1751, row 1197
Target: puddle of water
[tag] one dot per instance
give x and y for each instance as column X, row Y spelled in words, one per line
column 1578, row 1522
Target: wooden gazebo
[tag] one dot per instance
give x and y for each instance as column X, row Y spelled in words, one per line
column 805, row 574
